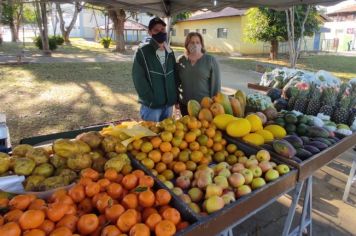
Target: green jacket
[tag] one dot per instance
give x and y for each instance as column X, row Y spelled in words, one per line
column 156, row 86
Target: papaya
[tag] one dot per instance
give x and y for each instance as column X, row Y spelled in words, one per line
column 193, row 108
column 284, row 148
column 217, row 109
column 206, row 102
column 205, row 114
column 236, row 107
column 241, row 96
column 223, row 99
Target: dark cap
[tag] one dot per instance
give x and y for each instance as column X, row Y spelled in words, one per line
column 155, row 21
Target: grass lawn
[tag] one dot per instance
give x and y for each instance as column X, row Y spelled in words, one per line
column 78, row 45
column 343, row 67
column 48, row 98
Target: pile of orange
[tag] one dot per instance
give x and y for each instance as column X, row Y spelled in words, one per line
column 182, row 144
column 112, row 205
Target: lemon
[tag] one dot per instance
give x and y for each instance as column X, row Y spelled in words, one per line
column 256, row 122
column 253, row 138
column 267, row 135
column 222, row 120
column 238, row 128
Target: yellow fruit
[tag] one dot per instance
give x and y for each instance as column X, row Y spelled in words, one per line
column 267, row 135
column 277, row 131
column 256, row 122
column 221, row 121
column 238, row 128
column 254, row 138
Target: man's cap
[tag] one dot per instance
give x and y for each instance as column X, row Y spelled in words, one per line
column 155, row 21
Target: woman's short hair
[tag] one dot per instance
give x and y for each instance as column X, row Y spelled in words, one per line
column 189, row 37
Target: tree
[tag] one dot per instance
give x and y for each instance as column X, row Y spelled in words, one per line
column 11, row 14
column 42, row 23
column 269, row 25
column 66, row 30
column 181, row 16
column 1, row 10
column 118, row 17
column 294, row 47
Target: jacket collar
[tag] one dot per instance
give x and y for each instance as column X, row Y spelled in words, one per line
column 156, row 46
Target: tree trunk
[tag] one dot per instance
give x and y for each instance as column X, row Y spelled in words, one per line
column 41, row 16
column 66, row 30
column 0, row 22
column 273, row 55
column 14, row 32
column 118, row 17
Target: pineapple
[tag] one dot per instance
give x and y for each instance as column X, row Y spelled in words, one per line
column 328, row 98
column 301, row 103
column 314, row 102
column 341, row 114
column 291, row 101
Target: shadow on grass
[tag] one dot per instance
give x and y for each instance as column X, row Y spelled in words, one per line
column 46, row 98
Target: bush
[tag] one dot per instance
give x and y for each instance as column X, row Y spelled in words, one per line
column 106, row 41
column 59, row 39
column 52, row 43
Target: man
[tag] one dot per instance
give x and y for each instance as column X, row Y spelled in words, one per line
column 153, row 74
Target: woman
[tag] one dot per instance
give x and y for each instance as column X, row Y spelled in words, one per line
column 197, row 73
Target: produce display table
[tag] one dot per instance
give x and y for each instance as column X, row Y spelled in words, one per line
column 223, row 221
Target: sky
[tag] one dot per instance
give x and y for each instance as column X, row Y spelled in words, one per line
column 341, row 5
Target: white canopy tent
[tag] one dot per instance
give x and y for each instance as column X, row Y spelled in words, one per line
column 165, row 8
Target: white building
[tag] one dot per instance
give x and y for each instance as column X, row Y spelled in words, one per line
column 342, row 25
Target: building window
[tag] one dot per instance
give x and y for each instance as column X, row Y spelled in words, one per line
column 222, row 33
column 197, row 30
column 174, row 32
column 204, row 31
column 186, row 32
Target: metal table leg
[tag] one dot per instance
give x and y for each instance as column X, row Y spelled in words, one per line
column 227, row 232
column 305, row 225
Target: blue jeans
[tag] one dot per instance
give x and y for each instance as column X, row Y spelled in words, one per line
column 155, row 114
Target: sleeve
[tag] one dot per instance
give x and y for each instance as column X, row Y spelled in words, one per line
column 140, row 77
column 178, row 79
column 215, row 77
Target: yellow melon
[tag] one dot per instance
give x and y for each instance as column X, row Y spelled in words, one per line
column 222, row 120
column 256, row 122
column 267, row 135
column 277, row 131
column 253, row 138
column 238, row 128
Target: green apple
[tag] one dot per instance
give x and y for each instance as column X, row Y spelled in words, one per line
column 243, row 190
column 221, row 181
column 248, row 175
column 282, row 169
column 265, row 166
column 213, row 190
column 242, row 159
column 258, row 183
column 214, row 203
column 263, row 155
column 271, row 175
column 236, row 180
column 249, row 163
column 256, row 171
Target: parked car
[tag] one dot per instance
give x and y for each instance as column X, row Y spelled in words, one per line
column 145, row 41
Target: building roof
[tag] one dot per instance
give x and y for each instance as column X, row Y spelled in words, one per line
column 129, row 25
column 347, row 9
column 226, row 12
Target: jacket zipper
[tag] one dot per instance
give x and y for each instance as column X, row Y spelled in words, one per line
column 165, row 76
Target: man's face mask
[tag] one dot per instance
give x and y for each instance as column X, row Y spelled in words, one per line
column 194, row 48
column 160, row 37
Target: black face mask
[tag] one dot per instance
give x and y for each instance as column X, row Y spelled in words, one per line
column 160, row 37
